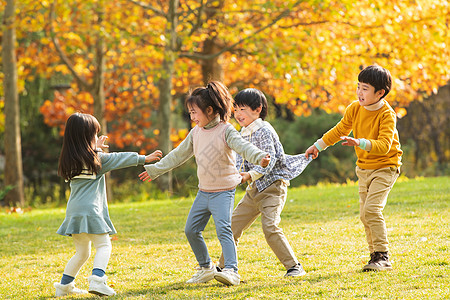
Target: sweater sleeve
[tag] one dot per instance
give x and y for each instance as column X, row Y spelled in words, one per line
column 267, row 144
column 343, row 128
column 244, row 148
column 173, row 159
column 120, row 160
column 383, row 143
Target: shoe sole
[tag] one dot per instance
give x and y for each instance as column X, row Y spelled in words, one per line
column 205, row 280
column 223, row 280
column 376, row 269
column 298, row 275
column 99, row 293
column 198, row 282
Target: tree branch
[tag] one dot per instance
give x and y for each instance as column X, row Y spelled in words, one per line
column 305, row 24
column 149, row 7
column 81, row 82
column 198, row 19
column 197, row 56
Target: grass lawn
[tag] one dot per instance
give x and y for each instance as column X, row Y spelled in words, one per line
column 151, row 257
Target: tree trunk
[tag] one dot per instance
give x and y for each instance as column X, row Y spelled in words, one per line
column 165, row 120
column 211, row 68
column 165, row 91
column 98, row 91
column 13, row 145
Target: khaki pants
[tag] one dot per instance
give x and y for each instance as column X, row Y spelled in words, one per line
column 374, row 188
column 269, row 204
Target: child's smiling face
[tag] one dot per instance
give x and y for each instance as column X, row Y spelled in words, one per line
column 199, row 117
column 367, row 95
column 245, row 115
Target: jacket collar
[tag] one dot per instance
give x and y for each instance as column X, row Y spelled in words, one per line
column 252, row 127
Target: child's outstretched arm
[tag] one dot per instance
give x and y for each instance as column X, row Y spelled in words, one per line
column 155, row 156
column 246, row 149
column 173, row 159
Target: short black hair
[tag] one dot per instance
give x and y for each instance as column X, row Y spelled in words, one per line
column 252, row 98
column 378, row 77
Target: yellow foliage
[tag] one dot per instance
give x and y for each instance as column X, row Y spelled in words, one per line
column 401, row 112
column 320, row 45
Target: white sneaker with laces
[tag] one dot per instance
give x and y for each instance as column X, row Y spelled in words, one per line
column 98, row 286
column 67, row 289
column 203, row 275
column 228, row 277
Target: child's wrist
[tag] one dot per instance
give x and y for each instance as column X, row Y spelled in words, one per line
column 316, row 144
column 362, row 143
column 320, row 145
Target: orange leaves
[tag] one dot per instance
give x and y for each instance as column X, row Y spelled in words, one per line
column 177, row 136
column 400, row 111
column 57, row 111
column 310, row 58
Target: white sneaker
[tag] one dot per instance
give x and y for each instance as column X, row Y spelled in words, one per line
column 203, row 275
column 98, row 286
column 67, row 289
column 228, row 277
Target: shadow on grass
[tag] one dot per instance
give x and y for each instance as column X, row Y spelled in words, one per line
column 216, row 289
column 210, row 289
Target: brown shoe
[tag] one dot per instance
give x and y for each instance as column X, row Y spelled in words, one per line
column 379, row 261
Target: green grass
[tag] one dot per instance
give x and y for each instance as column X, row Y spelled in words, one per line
column 151, row 257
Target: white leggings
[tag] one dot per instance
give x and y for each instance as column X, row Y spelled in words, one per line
column 82, row 241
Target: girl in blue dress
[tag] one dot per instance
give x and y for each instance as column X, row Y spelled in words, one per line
column 87, row 221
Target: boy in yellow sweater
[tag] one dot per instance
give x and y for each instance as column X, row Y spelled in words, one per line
column 377, row 147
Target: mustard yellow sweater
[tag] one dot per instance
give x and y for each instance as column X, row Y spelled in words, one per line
column 377, row 126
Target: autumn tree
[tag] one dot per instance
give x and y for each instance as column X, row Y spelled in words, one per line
column 13, row 151
column 305, row 54
column 327, row 49
column 91, row 79
column 85, row 37
column 190, row 31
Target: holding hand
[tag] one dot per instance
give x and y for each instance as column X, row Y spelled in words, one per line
column 155, row 156
column 349, row 141
column 245, row 177
column 265, row 161
column 312, row 150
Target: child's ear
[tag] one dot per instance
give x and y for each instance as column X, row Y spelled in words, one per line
column 259, row 109
column 380, row 93
column 209, row 110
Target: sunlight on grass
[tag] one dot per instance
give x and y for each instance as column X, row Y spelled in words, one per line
column 151, row 257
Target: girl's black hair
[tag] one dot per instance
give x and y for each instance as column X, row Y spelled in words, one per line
column 252, row 98
column 216, row 95
column 78, row 151
column 378, row 77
